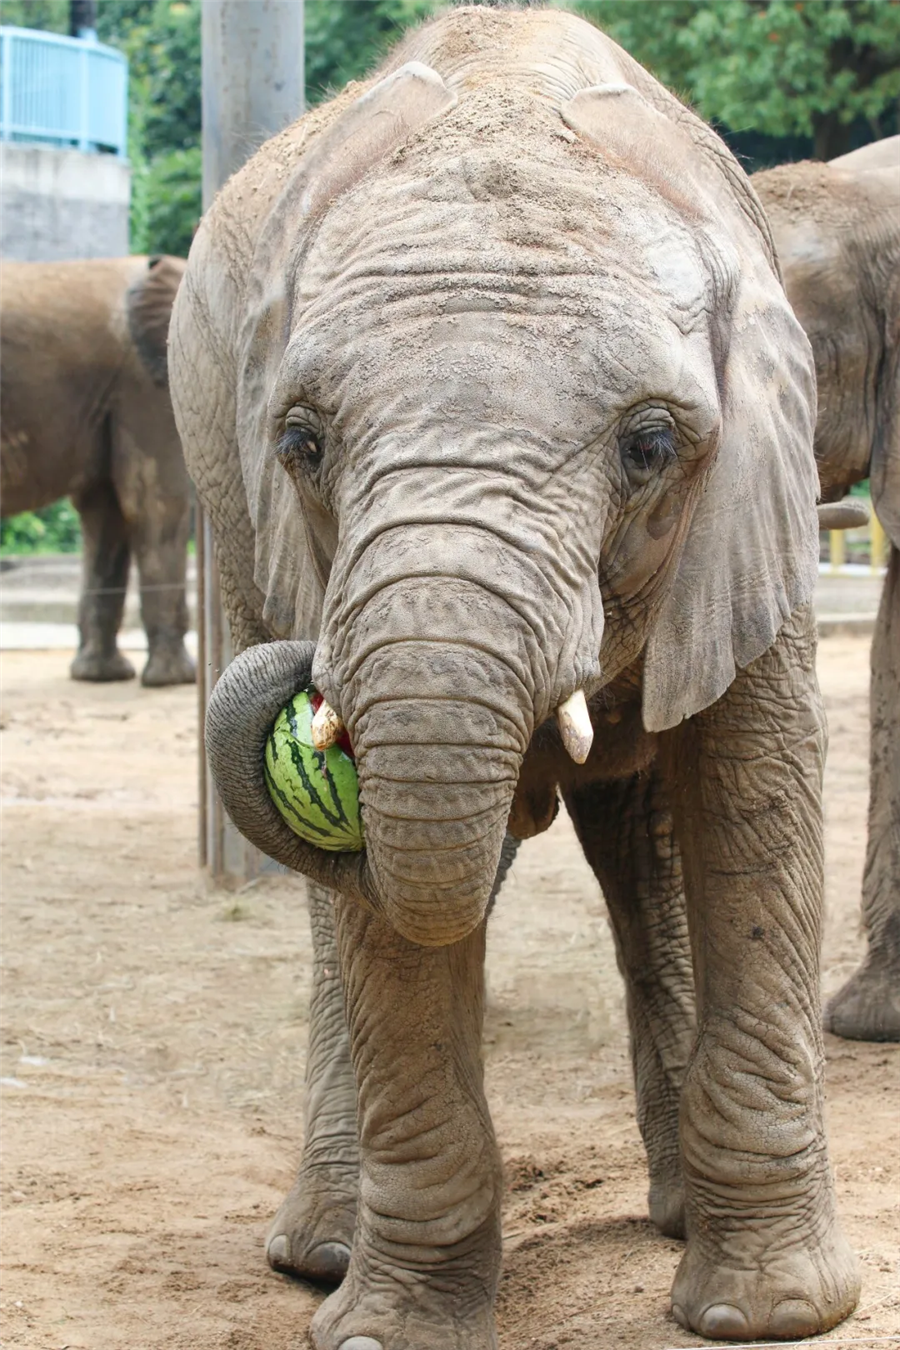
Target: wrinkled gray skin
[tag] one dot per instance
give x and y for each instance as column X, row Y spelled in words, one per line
column 488, row 383
column 86, row 413
column 837, row 230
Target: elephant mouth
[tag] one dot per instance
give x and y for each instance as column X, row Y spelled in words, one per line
column 572, row 717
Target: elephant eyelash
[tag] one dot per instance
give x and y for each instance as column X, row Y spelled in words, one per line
column 299, row 444
column 647, row 453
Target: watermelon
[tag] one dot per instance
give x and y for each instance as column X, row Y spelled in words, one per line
column 316, row 791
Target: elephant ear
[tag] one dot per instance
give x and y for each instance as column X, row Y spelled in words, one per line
column 750, row 555
column 370, row 129
column 294, row 550
column 148, row 304
column 885, row 468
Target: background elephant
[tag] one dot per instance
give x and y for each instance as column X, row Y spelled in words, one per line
column 86, row 413
column 837, row 230
column 487, row 380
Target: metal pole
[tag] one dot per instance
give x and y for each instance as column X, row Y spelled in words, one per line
column 252, row 88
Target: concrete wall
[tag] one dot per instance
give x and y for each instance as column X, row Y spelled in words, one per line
column 58, row 204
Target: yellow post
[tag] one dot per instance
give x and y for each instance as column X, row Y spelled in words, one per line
column 877, row 546
column 836, row 548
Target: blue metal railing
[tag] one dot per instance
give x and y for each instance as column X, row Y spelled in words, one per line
column 62, row 91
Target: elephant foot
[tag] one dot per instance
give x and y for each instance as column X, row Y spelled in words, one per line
column 666, row 1203
column 168, row 665
column 868, row 1006
column 312, row 1233
column 101, row 667
column 381, row 1311
column 779, row 1287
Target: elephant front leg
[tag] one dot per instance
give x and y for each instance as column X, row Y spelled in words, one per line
column 312, row 1232
column 104, row 581
column 426, row 1252
column 765, row 1255
column 867, row 1008
column 626, row 831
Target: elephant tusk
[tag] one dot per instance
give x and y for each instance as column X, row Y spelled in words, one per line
column 846, row 515
column 326, row 727
column 575, row 726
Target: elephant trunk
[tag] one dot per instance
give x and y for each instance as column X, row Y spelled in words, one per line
column 439, row 727
column 440, row 661
column 242, row 710
column 439, row 680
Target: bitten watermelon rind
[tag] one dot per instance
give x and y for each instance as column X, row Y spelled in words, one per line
column 315, row 791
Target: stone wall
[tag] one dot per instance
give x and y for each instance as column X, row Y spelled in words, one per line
column 58, row 204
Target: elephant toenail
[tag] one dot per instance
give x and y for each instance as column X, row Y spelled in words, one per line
column 679, row 1315
column 278, row 1252
column 328, row 1262
column 725, row 1321
column 794, row 1317
column 361, row 1343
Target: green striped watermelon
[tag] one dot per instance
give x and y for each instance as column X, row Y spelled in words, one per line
column 316, row 791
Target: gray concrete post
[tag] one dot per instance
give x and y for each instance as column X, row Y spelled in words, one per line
column 252, row 88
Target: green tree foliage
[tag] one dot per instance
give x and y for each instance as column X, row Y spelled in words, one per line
column 161, row 39
column 55, row 529
column 344, row 40
column 51, row 16
column 781, row 67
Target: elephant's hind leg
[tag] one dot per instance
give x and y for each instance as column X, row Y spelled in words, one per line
column 104, row 579
column 867, row 1008
column 626, row 832
column 154, row 493
column 312, row 1232
column 159, row 536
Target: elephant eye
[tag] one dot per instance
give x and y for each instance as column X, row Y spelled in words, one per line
column 646, row 453
column 302, row 440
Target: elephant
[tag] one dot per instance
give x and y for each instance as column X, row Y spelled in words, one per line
column 86, row 413
column 487, row 380
column 837, row 233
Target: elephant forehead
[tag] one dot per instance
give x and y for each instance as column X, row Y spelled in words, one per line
column 482, row 306
column 546, row 233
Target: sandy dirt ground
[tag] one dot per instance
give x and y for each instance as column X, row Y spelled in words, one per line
column 154, row 1038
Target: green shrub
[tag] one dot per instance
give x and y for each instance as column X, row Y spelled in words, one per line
column 173, row 201
column 54, row 529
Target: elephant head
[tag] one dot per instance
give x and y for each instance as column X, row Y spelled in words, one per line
column 837, row 228
column 518, row 386
column 148, row 305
